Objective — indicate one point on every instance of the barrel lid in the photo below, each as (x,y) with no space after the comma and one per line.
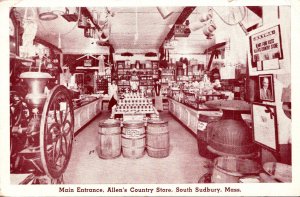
(133,123)
(159,121)
(109,122)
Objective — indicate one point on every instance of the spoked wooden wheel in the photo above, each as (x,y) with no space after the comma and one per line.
(56,132)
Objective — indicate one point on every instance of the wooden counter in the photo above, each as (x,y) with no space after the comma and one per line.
(86,113)
(187,115)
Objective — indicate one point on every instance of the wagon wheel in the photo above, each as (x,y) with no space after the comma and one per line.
(57,132)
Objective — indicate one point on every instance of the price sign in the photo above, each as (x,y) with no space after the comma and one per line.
(132,132)
(202,125)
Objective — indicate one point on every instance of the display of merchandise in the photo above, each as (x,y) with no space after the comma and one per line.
(134,103)
(102,85)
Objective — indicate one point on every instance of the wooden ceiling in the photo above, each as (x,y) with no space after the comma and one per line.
(140,29)
(132,28)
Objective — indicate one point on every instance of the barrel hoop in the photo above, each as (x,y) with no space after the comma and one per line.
(134,138)
(157,125)
(233,149)
(158,122)
(210,141)
(153,148)
(109,134)
(158,133)
(133,124)
(108,124)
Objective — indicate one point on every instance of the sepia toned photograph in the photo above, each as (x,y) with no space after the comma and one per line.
(266,84)
(148,100)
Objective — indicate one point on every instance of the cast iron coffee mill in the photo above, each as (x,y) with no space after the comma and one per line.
(42,129)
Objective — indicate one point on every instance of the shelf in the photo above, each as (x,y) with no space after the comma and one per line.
(146,74)
(88,68)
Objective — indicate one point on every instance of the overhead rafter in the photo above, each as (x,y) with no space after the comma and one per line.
(186,12)
(257,10)
(88,14)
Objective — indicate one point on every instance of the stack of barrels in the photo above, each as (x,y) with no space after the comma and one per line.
(132,138)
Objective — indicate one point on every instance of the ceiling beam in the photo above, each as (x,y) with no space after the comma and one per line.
(186,12)
(257,10)
(88,14)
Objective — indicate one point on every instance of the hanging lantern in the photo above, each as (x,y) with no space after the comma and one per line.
(89,32)
(209,29)
(102,19)
(82,22)
(95,16)
(104,34)
(206,16)
(50,13)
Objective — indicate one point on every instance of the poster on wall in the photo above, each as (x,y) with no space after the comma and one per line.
(266,49)
(265,132)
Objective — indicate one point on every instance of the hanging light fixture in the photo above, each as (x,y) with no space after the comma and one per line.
(164,12)
(206,16)
(48,13)
(200,22)
(209,29)
(102,18)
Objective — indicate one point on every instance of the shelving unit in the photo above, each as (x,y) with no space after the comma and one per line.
(101,83)
(146,73)
(167,75)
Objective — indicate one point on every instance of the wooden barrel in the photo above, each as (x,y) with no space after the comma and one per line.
(229,169)
(204,122)
(133,139)
(231,137)
(109,139)
(157,140)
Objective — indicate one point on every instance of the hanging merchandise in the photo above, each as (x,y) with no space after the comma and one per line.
(89,32)
(209,29)
(137,64)
(82,22)
(30,29)
(103,35)
(48,14)
(101,64)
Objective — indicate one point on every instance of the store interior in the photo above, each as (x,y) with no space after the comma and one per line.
(150,95)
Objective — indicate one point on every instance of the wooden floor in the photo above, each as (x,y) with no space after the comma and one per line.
(183,165)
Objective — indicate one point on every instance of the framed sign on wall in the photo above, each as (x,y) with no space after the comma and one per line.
(265,128)
(266,49)
(266,87)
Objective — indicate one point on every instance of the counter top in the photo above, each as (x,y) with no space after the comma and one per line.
(201,107)
(77,103)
